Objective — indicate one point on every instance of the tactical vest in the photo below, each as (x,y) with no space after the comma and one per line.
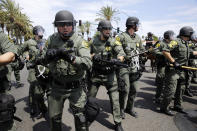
(61,68)
(7,108)
(104,49)
(131,46)
(180,51)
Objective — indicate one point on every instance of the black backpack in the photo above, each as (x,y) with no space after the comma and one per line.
(7,108)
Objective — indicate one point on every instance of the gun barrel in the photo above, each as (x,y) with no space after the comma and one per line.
(115,62)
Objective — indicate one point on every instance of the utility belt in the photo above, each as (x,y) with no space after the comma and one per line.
(70,85)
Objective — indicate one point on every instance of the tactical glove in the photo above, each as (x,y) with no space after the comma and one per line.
(30,65)
(176,65)
(96,57)
(64,54)
(21,64)
(51,53)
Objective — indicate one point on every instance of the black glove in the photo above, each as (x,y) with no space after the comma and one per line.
(64,54)
(96,57)
(21,64)
(51,53)
(176,65)
(30,65)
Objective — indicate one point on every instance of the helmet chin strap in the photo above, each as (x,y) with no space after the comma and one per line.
(66,36)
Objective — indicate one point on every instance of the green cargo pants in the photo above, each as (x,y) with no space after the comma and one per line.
(129,91)
(77,99)
(110,82)
(160,81)
(174,86)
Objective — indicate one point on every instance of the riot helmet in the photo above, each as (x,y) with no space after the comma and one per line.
(132,22)
(64,17)
(104,25)
(186,31)
(38,30)
(150,34)
(170,35)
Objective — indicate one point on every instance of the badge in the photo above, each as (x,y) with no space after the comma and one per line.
(85,44)
(107,48)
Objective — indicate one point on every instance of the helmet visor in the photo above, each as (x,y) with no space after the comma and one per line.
(172,36)
(62,24)
(194,37)
(107,28)
(40,32)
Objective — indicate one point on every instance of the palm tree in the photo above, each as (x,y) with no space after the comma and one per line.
(16,23)
(108,13)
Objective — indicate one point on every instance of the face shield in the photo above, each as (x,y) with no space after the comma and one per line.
(40,32)
(194,37)
(172,36)
(41,44)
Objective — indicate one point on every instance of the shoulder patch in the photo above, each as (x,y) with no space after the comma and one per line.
(117,41)
(117,38)
(158,45)
(173,43)
(137,44)
(190,44)
(85,44)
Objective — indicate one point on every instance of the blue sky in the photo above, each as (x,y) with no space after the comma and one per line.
(155,16)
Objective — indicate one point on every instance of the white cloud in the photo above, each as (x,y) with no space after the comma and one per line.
(42,12)
(160,26)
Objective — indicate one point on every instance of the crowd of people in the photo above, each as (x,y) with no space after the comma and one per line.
(65,66)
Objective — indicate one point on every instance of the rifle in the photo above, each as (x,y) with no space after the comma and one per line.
(141,53)
(112,62)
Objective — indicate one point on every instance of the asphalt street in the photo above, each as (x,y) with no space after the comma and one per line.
(149,118)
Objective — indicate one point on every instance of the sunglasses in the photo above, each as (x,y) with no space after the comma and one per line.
(62,24)
(107,28)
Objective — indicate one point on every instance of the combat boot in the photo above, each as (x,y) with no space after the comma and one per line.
(33,110)
(179,109)
(132,113)
(118,127)
(188,92)
(167,112)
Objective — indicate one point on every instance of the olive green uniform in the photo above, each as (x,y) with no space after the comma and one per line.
(103,76)
(67,82)
(161,63)
(16,71)
(175,79)
(130,75)
(35,91)
(5,46)
(193,63)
